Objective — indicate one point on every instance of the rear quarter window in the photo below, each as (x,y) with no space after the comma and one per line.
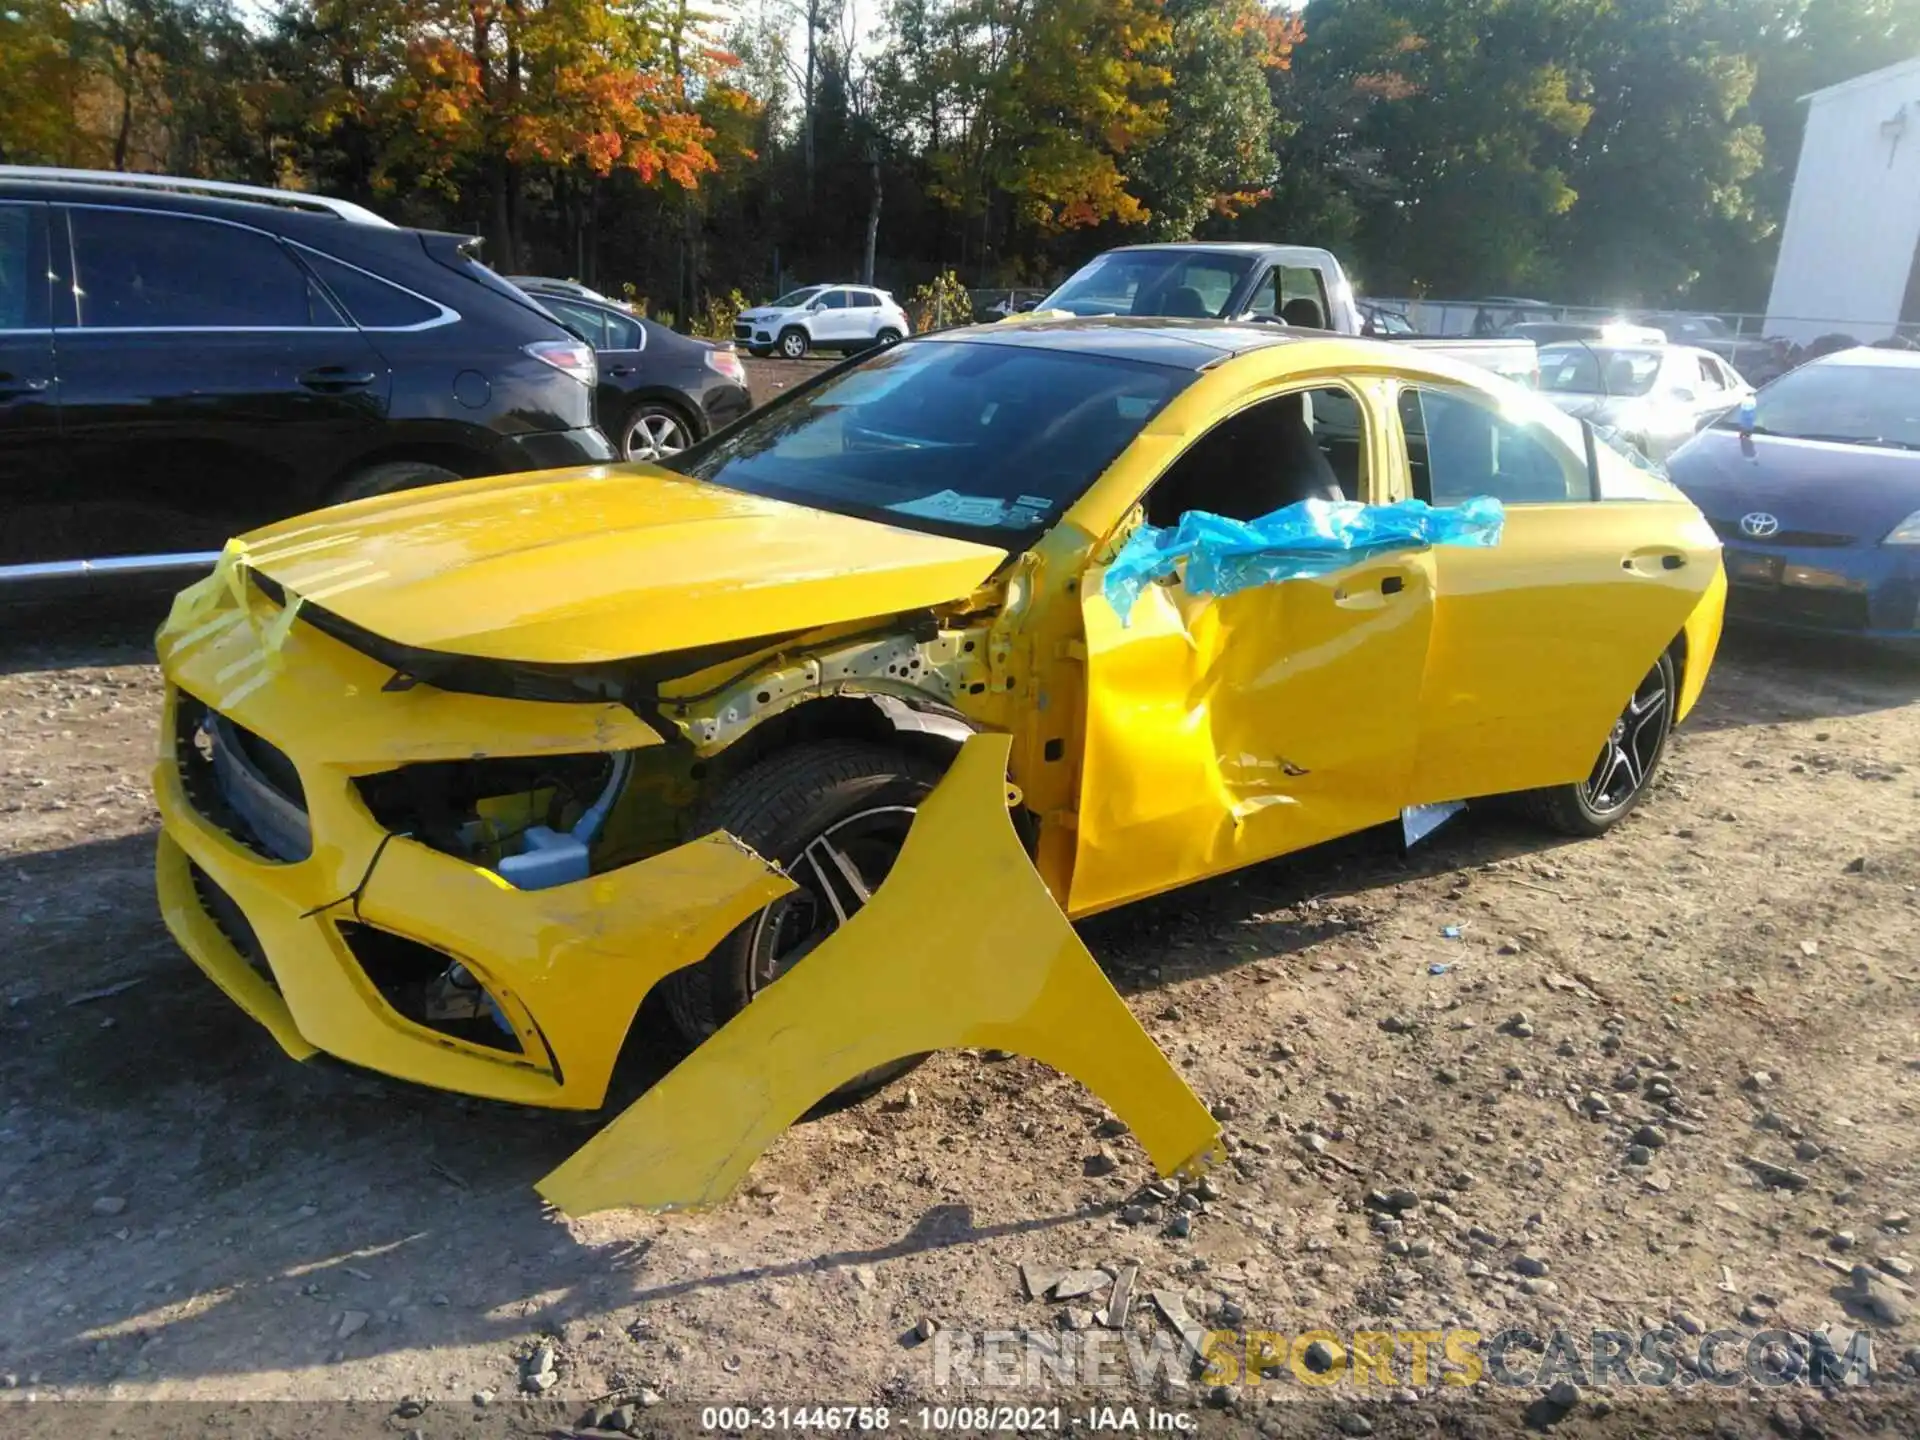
(373,303)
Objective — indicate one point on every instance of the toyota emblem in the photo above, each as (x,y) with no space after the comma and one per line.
(1759,525)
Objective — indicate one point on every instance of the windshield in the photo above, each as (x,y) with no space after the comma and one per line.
(971,439)
(1855,404)
(795,298)
(1591,370)
(1174,283)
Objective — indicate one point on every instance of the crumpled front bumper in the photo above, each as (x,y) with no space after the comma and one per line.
(962,945)
(568,966)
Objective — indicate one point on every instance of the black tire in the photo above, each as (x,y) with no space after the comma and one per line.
(794,343)
(388,477)
(785,807)
(1624,771)
(655,430)
(888,336)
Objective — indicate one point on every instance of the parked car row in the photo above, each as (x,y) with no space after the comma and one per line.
(184,360)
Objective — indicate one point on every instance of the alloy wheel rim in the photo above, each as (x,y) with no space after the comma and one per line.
(1626,760)
(835,875)
(792,347)
(654,436)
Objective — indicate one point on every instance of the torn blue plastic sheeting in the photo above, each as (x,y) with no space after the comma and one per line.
(1312,537)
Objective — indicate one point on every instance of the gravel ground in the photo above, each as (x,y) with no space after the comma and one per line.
(1665,1078)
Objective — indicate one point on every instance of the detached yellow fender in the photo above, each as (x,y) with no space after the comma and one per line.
(961,946)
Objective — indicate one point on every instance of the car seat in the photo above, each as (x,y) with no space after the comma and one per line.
(1186,303)
(1303,314)
(1257,462)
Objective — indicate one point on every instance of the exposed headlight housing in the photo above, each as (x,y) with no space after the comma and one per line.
(1907,532)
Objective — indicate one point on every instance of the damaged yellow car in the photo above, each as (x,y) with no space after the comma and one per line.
(824,732)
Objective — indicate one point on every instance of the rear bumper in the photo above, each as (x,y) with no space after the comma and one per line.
(557,449)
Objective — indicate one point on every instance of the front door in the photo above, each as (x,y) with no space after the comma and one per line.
(32,505)
(207,383)
(1224,730)
(834,321)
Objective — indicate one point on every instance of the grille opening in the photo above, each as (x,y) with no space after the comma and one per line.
(231,921)
(429,987)
(270,767)
(476,809)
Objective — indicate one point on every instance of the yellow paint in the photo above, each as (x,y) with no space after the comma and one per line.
(606,563)
(898,979)
(570,964)
(1209,734)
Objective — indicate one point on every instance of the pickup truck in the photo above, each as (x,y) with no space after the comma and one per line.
(1295,285)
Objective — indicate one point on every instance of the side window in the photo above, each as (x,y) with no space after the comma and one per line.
(1303,297)
(1710,374)
(866,300)
(1459,447)
(145,270)
(1295,294)
(584,318)
(23,268)
(623,333)
(1304,445)
(373,303)
(834,300)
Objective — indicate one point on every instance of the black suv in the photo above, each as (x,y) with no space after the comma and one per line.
(183,360)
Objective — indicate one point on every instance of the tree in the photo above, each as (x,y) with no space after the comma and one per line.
(1663,169)
(41,76)
(1466,111)
(1213,154)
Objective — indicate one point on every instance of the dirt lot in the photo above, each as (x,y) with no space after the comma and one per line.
(185,1214)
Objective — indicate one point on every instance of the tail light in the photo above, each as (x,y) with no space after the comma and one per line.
(724,361)
(572,356)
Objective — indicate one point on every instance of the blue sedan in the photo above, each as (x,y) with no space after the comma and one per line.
(1814,489)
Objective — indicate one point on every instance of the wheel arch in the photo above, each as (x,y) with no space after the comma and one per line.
(917,723)
(669,398)
(463,461)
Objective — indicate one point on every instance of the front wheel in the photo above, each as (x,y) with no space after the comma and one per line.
(794,344)
(1624,771)
(833,815)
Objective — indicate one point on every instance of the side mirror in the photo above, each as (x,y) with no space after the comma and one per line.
(1746,415)
(1684,395)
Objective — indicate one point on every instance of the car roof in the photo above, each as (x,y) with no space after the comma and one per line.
(1230,247)
(1867,357)
(1182,344)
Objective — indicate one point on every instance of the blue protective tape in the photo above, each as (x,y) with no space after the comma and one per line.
(1313,537)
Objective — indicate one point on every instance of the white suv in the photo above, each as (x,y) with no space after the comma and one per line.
(823,317)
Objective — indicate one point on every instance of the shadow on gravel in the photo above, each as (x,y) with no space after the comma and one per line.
(1277,909)
(942,1227)
(108,630)
(1764,678)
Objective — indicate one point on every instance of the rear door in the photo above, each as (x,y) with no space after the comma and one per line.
(208,383)
(1539,641)
(32,471)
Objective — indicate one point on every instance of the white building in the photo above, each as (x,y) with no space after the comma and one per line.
(1854,220)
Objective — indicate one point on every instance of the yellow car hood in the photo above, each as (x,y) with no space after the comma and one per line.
(605,563)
